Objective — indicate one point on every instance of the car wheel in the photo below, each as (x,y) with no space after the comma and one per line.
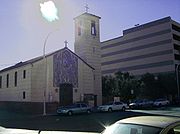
(131,107)
(88,111)
(58,112)
(70,113)
(123,108)
(110,109)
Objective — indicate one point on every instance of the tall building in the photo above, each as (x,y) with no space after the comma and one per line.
(149,48)
(87,46)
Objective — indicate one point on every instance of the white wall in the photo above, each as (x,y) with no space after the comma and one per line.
(15,93)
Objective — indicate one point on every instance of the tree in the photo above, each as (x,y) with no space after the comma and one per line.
(168,83)
(158,86)
(149,86)
(108,85)
(125,84)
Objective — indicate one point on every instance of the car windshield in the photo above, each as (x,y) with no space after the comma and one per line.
(160,100)
(110,103)
(131,129)
(137,101)
(70,106)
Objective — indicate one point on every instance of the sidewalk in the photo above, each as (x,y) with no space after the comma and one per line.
(63,132)
(25,131)
(171,111)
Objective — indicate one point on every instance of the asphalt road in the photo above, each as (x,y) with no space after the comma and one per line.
(94,122)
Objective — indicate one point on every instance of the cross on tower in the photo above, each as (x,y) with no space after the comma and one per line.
(66,43)
(86,7)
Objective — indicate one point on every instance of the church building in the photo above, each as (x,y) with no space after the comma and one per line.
(62,77)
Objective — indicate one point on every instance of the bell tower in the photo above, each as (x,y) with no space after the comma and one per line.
(87,46)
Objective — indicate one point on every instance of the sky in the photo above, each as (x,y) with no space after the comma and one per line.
(23,29)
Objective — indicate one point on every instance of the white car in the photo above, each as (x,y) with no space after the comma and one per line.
(112,106)
(145,125)
(161,102)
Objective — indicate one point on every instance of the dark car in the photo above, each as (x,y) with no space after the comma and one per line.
(161,102)
(144,103)
(74,109)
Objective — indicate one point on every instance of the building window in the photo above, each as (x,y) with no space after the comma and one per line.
(177,47)
(0,81)
(176,37)
(24,74)
(24,95)
(79,28)
(79,31)
(7,80)
(176,28)
(93,28)
(94,49)
(15,79)
(177,57)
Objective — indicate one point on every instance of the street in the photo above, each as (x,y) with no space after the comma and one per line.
(94,122)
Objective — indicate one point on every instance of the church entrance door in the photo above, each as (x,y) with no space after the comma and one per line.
(65,94)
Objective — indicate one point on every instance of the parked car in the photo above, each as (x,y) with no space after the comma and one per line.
(112,106)
(145,125)
(74,109)
(141,104)
(161,102)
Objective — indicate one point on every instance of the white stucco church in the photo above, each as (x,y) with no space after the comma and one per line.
(62,77)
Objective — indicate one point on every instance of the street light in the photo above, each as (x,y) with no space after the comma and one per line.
(177,78)
(45,70)
(49,12)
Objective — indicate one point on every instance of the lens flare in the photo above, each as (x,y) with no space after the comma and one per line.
(49,11)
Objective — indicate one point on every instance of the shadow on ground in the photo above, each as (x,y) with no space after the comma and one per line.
(94,122)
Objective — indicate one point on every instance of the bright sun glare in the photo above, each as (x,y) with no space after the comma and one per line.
(49,11)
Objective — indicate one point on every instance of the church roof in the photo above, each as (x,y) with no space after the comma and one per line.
(88,14)
(31,61)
